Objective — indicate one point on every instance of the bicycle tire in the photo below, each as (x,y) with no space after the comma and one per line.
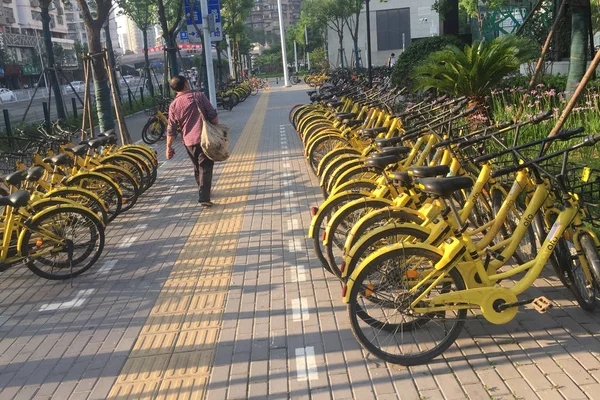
(126,182)
(325,211)
(150,135)
(52,218)
(591,254)
(129,164)
(104,187)
(339,220)
(83,197)
(430,351)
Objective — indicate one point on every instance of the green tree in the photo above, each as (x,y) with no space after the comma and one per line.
(95,14)
(170,15)
(59,54)
(330,13)
(474,70)
(81,50)
(234,14)
(473,9)
(580,13)
(144,16)
(352,22)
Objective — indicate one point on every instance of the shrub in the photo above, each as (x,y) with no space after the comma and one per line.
(474,70)
(418,51)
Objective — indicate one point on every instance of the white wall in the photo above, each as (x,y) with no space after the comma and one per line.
(419,10)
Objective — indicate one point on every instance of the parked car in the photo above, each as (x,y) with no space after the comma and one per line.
(7,95)
(79,86)
(128,78)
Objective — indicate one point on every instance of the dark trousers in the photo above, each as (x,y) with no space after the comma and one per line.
(203,170)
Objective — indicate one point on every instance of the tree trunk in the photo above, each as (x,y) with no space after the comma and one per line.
(341,49)
(147,63)
(171,53)
(60,106)
(103,98)
(111,58)
(579,44)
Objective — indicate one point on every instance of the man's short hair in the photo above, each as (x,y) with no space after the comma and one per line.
(178,83)
(393,55)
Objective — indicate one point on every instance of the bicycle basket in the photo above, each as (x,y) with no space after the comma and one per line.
(585,182)
(8,162)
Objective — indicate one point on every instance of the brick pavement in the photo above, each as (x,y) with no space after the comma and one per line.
(276,327)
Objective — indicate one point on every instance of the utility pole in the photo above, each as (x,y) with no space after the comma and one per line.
(370,68)
(286,78)
(296,55)
(229,56)
(307,48)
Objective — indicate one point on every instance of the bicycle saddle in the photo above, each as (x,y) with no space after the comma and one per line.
(111,136)
(388,142)
(352,122)
(16,200)
(95,143)
(394,151)
(15,178)
(60,159)
(372,132)
(444,187)
(429,172)
(35,174)
(403,178)
(382,161)
(78,150)
(344,115)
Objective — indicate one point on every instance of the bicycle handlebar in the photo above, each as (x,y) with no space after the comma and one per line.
(587,141)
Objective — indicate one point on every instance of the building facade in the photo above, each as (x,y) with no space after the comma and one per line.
(131,36)
(264,18)
(395,24)
(21,39)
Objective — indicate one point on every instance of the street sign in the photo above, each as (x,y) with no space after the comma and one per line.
(183,35)
(195,16)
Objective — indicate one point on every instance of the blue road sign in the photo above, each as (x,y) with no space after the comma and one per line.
(195,16)
(183,35)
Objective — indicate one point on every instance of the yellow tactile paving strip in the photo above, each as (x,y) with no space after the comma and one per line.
(172,357)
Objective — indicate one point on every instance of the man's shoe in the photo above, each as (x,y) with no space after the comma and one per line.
(206,204)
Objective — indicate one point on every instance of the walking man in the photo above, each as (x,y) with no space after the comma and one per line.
(391,61)
(184,113)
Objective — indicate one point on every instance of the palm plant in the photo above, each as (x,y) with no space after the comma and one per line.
(474,70)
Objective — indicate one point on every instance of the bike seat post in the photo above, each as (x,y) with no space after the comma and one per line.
(460,226)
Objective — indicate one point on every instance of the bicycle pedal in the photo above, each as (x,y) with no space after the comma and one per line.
(542,304)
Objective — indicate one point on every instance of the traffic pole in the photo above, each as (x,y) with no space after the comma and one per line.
(208,54)
(229,56)
(296,55)
(307,48)
(286,77)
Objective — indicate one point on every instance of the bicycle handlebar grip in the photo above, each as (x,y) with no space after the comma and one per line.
(541,117)
(566,133)
(503,125)
(468,111)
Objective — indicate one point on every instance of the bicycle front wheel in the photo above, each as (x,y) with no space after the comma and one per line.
(154,129)
(380,314)
(63,243)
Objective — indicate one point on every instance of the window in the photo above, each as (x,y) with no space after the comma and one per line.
(393,29)
(59,20)
(36,16)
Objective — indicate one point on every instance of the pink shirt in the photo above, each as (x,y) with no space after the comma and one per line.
(184,114)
